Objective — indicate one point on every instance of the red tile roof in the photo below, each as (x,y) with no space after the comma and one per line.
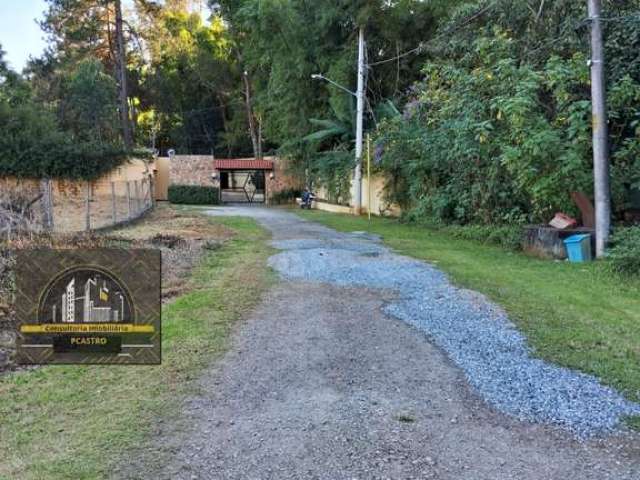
(242,164)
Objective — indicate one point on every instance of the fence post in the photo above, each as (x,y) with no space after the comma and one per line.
(129,199)
(51,215)
(114,215)
(137,194)
(88,207)
(45,188)
(152,193)
(143,193)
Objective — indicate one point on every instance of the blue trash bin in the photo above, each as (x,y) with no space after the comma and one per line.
(578,247)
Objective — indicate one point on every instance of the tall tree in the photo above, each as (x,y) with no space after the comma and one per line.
(90,107)
(282,43)
(81,29)
(192,86)
(121,74)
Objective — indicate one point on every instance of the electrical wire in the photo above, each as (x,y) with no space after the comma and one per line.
(446,33)
(633,16)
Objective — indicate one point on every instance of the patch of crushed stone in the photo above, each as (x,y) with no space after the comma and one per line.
(477,335)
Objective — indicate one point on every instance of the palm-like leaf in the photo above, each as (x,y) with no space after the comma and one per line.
(330,130)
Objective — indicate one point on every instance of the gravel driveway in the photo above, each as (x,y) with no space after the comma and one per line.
(364,364)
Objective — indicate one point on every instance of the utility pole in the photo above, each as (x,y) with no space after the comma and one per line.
(357,191)
(602,188)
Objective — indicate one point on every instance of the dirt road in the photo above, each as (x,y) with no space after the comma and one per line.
(320,383)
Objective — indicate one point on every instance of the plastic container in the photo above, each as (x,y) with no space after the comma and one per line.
(578,247)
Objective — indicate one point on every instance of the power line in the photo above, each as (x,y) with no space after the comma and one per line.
(448,32)
(632,16)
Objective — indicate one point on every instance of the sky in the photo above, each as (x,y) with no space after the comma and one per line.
(20,35)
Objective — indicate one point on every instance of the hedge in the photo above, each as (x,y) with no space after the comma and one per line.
(193,195)
(32,146)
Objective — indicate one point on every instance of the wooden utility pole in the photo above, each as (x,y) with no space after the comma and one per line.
(602,188)
(357,191)
(121,69)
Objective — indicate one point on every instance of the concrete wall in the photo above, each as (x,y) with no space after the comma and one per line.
(111,200)
(161,172)
(333,208)
(131,171)
(372,199)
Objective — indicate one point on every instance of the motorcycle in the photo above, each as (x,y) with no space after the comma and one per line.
(307,200)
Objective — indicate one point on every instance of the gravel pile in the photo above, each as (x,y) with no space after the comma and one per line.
(476,334)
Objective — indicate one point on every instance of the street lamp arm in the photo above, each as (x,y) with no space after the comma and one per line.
(319,76)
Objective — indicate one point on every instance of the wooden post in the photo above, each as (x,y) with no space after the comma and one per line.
(88,207)
(129,200)
(114,215)
(152,192)
(45,189)
(51,215)
(137,195)
(146,189)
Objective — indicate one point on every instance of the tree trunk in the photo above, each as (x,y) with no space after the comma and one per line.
(259,118)
(255,140)
(121,72)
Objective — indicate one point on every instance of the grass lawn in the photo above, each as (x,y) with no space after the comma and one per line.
(75,422)
(574,315)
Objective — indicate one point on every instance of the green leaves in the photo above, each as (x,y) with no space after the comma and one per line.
(499,129)
(90,109)
(330,130)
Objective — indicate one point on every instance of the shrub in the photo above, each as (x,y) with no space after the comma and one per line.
(285,196)
(193,194)
(624,255)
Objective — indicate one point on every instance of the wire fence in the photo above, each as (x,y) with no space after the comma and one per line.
(28,207)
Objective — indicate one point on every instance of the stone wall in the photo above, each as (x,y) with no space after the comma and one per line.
(190,170)
(197,170)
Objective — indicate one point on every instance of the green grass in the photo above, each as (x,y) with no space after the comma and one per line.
(75,422)
(575,315)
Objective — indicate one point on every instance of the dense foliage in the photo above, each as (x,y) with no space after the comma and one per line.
(624,256)
(282,43)
(498,130)
(479,109)
(193,195)
(34,144)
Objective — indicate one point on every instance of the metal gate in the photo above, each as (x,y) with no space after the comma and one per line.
(242,186)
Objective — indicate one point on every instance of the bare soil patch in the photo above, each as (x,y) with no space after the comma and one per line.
(181,236)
